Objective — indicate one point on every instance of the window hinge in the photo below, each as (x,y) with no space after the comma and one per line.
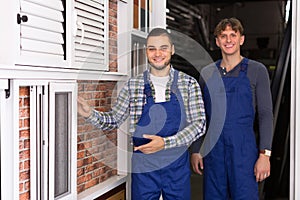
(7,91)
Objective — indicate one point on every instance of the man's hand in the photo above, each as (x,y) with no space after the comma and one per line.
(83,108)
(156,144)
(197,163)
(262,168)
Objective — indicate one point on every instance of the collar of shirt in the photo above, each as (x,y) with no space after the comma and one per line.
(168,86)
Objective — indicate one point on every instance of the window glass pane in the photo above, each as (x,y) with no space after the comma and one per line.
(62,146)
(143,14)
(148,13)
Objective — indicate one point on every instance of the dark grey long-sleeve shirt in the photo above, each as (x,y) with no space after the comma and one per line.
(262,102)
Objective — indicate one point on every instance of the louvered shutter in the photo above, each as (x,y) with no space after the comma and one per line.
(91,42)
(44,33)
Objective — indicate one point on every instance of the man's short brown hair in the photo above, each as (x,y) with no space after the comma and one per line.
(234,23)
(160,32)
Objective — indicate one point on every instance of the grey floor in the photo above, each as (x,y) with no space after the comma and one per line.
(196,186)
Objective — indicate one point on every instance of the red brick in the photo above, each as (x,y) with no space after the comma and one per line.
(24,154)
(24,134)
(24,112)
(24,91)
(27,186)
(26,143)
(80,188)
(80,154)
(26,123)
(80,172)
(21,166)
(27,164)
(24,175)
(24,196)
(80,163)
(26,102)
(21,187)
(91,183)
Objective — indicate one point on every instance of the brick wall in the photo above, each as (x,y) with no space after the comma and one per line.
(96,149)
(24,144)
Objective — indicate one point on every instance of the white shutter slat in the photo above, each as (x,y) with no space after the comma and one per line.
(90,35)
(41,35)
(99,1)
(41,11)
(90,42)
(42,47)
(50,56)
(93,30)
(92,23)
(90,65)
(91,16)
(44,24)
(53,4)
(92,52)
(91,59)
(88,48)
(97,5)
(89,9)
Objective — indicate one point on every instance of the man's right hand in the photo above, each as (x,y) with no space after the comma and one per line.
(197,163)
(83,108)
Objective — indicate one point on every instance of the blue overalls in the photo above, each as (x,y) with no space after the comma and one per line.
(166,172)
(229,166)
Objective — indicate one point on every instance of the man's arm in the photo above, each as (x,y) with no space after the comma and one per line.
(106,120)
(196,158)
(195,117)
(265,121)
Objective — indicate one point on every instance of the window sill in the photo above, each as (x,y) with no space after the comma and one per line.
(29,72)
(102,188)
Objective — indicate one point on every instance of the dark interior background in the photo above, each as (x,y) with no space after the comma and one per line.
(267,33)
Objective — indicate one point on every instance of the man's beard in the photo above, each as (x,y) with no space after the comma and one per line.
(160,67)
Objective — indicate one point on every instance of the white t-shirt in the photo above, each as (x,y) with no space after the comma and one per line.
(159,84)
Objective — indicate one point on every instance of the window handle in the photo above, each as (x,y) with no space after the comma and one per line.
(77,24)
(21,19)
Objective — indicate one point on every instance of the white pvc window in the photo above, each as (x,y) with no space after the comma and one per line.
(39,141)
(91,34)
(141,14)
(62,141)
(53,141)
(43,32)
(138,56)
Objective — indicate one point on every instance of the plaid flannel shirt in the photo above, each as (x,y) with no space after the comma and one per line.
(131,100)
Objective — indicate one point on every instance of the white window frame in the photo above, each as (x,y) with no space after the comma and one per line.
(37,136)
(45,189)
(71,88)
(9,139)
(295,99)
(159,14)
(43,60)
(86,33)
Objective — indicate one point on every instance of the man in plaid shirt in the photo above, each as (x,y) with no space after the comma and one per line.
(166,115)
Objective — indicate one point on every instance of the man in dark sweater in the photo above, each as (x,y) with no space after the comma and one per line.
(235,89)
